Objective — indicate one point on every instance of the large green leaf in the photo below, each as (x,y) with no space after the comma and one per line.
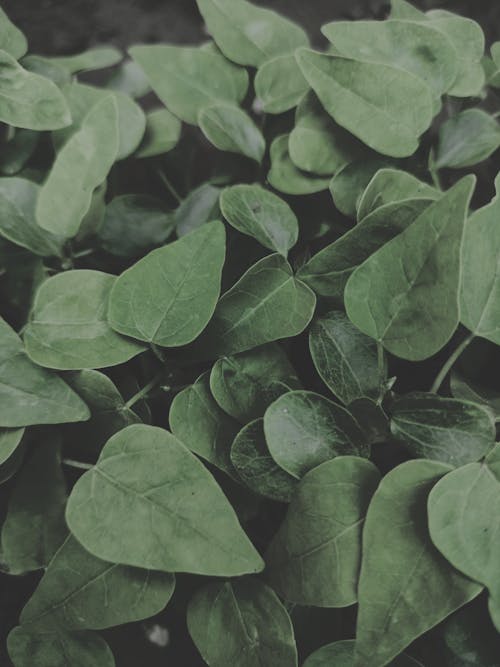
(187,78)
(231,129)
(30,394)
(406,586)
(385,107)
(406,294)
(68,329)
(266,304)
(348,184)
(99,57)
(250,35)
(304,429)
(341,654)
(286,177)
(12,39)
(315,557)
(249,616)
(466,139)
(145,477)
(279,84)
(80,166)
(169,295)
(257,212)
(162,133)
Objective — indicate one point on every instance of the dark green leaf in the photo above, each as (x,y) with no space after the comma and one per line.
(199,207)
(348,185)
(341,654)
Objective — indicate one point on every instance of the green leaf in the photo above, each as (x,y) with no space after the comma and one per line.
(40,494)
(10,441)
(129,78)
(99,57)
(443,429)
(279,84)
(470,390)
(245,384)
(134,224)
(47,68)
(314,558)
(383,106)
(406,586)
(346,359)
(80,166)
(145,477)
(251,458)
(250,35)
(255,211)
(29,100)
(80,592)
(255,625)
(348,185)
(341,654)
(466,139)
(266,304)
(18,224)
(30,394)
(480,286)
(304,429)
(169,295)
(406,294)
(401,9)
(200,206)
(58,649)
(18,151)
(286,177)
(230,129)
(187,79)
(68,329)
(12,39)
(205,429)
(162,134)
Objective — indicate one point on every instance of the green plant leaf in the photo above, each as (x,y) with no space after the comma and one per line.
(346,359)
(18,151)
(286,177)
(10,441)
(406,294)
(254,623)
(266,304)
(230,129)
(383,106)
(314,558)
(341,654)
(348,184)
(279,84)
(255,211)
(401,9)
(169,295)
(469,390)
(146,477)
(251,458)
(187,79)
(30,394)
(68,329)
(99,57)
(304,429)
(28,100)
(80,166)
(442,429)
(466,139)
(250,35)
(199,207)
(47,68)
(162,133)
(130,79)
(12,39)
(198,421)
(406,586)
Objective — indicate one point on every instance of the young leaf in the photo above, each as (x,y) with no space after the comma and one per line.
(12,39)
(30,394)
(169,295)
(406,586)
(401,9)
(443,429)
(346,359)
(230,129)
(279,84)
(47,68)
(470,390)
(129,78)
(266,304)
(99,57)
(187,79)
(286,177)
(348,185)
(250,35)
(251,458)
(341,653)
(80,592)
(466,139)
(257,212)
(383,106)
(406,294)
(255,625)
(304,429)
(314,558)
(80,166)
(145,477)
(199,207)
(198,422)
(10,440)
(18,150)
(162,133)
(29,100)
(245,384)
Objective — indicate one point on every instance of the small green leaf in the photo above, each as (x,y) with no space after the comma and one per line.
(200,206)
(286,177)
(279,84)
(304,429)
(348,185)
(162,134)
(466,139)
(47,68)
(230,129)
(341,654)
(145,477)
(314,558)
(254,623)
(470,390)
(169,295)
(12,39)
(10,441)
(257,212)
(99,57)
(401,9)
(18,150)
(130,79)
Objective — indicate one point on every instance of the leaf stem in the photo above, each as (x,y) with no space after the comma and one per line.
(170,187)
(83,253)
(447,366)
(144,391)
(77,464)
(381,370)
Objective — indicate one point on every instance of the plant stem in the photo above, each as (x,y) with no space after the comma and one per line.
(170,187)
(77,464)
(83,253)
(381,370)
(144,391)
(447,366)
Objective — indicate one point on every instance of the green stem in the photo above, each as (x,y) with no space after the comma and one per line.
(77,464)
(448,365)
(144,391)
(170,187)
(83,253)
(381,370)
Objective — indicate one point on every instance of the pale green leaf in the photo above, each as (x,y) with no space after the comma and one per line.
(341,654)
(466,139)
(348,185)
(286,177)
(279,84)
(162,134)
(18,150)
(200,206)
(97,58)
(230,129)
(130,79)
(12,39)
